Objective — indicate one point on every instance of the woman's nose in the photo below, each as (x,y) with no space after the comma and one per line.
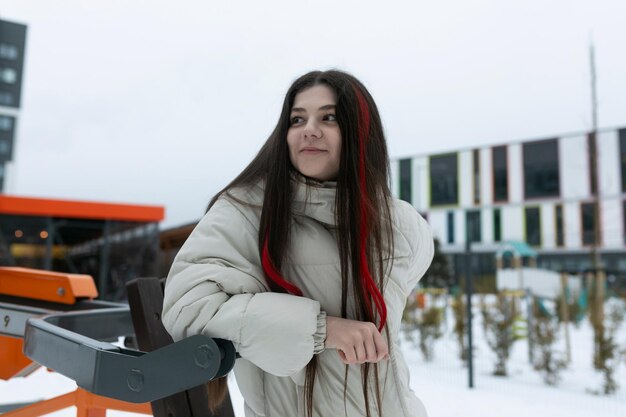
(312,130)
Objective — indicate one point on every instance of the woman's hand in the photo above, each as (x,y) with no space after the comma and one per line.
(356,341)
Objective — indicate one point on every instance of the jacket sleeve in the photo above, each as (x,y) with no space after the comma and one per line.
(216,287)
(420,238)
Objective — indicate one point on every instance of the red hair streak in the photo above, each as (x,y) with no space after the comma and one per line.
(370,290)
(273,274)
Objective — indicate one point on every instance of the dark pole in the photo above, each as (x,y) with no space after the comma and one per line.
(592,148)
(5,250)
(468,291)
(104,259)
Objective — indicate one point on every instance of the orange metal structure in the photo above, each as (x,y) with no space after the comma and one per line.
(79,209)
(34,284)
(12,361)
(63,289)
(56,287)
(86,403)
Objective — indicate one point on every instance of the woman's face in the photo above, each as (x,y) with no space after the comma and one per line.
(314,138)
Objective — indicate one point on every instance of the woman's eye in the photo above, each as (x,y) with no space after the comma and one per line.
(296,119)
(330,118)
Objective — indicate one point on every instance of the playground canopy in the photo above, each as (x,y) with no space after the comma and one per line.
(516,249)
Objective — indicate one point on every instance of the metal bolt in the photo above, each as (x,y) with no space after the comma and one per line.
(203,356)
(135,380)
(61,291)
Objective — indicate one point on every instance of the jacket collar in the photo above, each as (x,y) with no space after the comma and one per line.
(314,199)
(311,198)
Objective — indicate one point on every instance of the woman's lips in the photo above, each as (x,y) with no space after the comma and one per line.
(312,151)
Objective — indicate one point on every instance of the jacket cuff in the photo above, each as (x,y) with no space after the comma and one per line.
(319,337)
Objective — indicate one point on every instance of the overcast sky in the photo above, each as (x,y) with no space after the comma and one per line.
(163,102)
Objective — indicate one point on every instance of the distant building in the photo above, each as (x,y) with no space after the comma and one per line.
(538,191)
(12,49)
(113,243)
(170,242)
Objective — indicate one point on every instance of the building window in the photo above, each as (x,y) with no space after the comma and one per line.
(5,147)
(622,153)
(541,169)
(472,225)
(624,220)
(500,173)
(8,75)
(6,99)
(443,180)
(476,175)
(8,51)
(497,225)
(6,123)
(558,223)
(450,227)
(533,226)
(405,180)
(588,213)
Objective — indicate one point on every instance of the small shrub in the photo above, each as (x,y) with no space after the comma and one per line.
(607,354)
(498,326)
(544,333)
(426,323)
(574,311)
(429,327)
(460,324)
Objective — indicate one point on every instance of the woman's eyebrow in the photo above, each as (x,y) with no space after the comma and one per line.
(325,107)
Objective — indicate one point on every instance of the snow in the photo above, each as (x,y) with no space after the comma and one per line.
(443,383)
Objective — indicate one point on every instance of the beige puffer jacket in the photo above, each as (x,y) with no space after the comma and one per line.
(216,287)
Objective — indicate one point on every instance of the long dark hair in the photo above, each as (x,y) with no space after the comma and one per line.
(362,208)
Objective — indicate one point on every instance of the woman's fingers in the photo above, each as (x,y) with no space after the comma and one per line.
(356,341)
(382,350)
(370,350)
(375,344)
(348,356)
(361,353)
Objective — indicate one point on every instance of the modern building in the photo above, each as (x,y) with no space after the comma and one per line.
(547,192)
(12,51)
(170,242)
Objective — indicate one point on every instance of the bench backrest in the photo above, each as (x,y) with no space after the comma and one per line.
(145,298)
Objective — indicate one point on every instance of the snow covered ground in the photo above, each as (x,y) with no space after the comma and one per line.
(442,383)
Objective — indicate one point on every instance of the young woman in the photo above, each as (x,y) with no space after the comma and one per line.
(305,261)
